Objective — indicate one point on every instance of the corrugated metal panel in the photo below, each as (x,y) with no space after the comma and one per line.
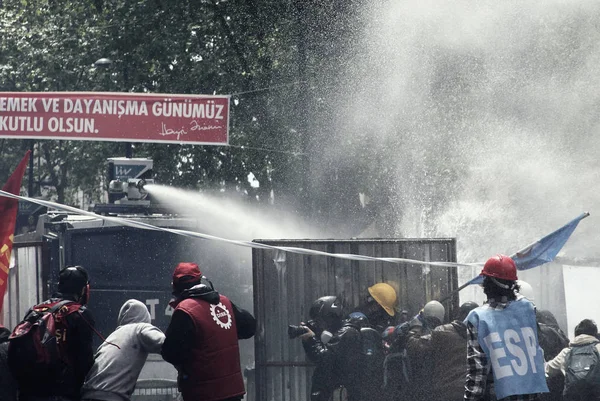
(24,283)
(286,284)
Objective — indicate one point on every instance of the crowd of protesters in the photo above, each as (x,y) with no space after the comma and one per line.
(505,349)
(49,356)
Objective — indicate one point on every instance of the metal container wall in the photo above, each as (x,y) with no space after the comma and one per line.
(25,287)
(286,284)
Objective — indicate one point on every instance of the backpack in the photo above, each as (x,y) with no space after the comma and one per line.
(582,373)
(372,361)
(35,350)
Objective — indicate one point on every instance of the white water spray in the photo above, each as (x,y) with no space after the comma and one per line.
(232,218)
(493,111)
(488,115)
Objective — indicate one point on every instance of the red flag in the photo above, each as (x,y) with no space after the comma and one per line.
(8,219)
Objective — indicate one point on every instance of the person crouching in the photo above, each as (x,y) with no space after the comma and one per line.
(120,359)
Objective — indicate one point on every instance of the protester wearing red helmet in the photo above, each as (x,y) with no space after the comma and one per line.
(202,338)
(503,343)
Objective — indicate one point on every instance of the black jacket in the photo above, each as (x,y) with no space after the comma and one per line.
(8,386)
(338,363)
(418,348)
(449,359)
(552,340)
(180,335)
(79,337)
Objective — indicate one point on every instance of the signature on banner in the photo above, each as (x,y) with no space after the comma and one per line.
(197,127)
(194,126)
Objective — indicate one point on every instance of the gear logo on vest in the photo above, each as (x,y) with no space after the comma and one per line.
(221,315)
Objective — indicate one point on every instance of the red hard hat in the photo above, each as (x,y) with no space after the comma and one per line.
(500,266)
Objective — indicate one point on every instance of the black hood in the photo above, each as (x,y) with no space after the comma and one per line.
(4,333)
(203,291)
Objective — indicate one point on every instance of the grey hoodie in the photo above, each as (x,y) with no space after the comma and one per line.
(559,363)
(115,370)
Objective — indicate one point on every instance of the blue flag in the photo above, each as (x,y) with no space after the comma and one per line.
(543,250)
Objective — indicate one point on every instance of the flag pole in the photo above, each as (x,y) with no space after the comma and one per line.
(456,291)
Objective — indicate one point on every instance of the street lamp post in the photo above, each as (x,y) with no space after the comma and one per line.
(105,63)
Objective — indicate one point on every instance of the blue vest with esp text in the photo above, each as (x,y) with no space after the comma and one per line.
(509,339)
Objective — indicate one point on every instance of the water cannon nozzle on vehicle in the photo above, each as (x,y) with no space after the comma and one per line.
(127,180)
(133,189)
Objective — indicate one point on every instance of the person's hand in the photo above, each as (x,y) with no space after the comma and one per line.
(309,333)
(418,321)
(403,329)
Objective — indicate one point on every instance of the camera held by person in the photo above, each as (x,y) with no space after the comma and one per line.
(325,318)
(296,331)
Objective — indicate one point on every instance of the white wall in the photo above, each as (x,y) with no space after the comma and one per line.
(549,290)
(581,291)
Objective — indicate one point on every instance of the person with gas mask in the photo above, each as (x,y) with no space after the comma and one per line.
(430,317)
(73,331)
(380,306)
(502,340)
(336,355)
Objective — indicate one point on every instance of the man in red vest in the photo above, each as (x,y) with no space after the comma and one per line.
(202,338)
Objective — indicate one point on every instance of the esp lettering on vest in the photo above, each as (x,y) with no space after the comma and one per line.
(508,337)
(513,352)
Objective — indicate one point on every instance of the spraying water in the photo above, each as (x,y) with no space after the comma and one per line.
(494,107)
(486,114)
(232,218)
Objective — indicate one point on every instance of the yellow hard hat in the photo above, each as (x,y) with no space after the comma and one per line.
(385,295)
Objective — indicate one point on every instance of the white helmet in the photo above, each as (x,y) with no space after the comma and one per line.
(526,290)
(434,309)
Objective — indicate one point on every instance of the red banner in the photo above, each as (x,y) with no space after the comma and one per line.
(8,218)
(121,117)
